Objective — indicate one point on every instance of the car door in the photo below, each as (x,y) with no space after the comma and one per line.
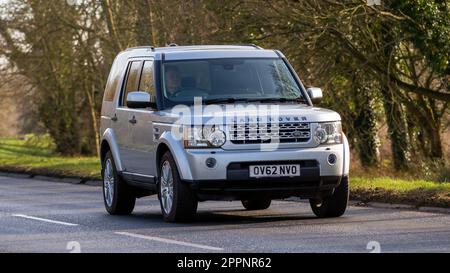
(142,145)
(123,115)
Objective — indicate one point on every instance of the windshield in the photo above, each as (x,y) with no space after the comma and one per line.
(228,80)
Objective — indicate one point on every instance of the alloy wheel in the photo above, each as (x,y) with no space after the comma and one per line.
(166,187)
(108,183)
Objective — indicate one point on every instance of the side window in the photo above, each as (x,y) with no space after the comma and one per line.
(147,82)
(132,83)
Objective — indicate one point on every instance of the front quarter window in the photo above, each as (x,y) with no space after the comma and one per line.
(147,83)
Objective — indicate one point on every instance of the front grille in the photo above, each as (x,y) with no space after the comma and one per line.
(254,133)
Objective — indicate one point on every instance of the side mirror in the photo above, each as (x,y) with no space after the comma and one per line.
(137,100)
(315,94)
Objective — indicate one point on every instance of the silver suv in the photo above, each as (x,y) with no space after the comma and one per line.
(197,123)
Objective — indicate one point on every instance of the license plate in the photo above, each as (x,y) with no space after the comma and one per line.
(274,171)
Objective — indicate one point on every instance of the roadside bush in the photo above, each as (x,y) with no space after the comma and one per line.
(442,173)
(433,170)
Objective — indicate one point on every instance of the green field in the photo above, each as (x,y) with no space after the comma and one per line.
(34,157)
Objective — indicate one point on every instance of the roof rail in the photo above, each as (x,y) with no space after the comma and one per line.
(251,45)
(152,48)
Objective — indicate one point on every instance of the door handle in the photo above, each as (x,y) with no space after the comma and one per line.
(133,120)
(115,119)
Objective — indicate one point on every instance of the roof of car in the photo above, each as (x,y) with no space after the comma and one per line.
(174,47)
(175,52)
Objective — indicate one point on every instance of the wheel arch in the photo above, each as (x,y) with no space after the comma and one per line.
(109,144)
(104,149)
(168,143)
(160,151)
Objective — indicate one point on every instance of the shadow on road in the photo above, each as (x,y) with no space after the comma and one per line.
(230,219)
(235,219)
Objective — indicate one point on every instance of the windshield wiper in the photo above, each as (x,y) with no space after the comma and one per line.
(246,100)
(226,100)
(280,100)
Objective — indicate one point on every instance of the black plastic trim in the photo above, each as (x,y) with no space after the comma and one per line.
(142,182)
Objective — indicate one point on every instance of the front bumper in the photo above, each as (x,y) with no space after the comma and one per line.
(199,171)
(230,180)
(304,187)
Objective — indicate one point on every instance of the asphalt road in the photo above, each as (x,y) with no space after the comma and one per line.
(42,216)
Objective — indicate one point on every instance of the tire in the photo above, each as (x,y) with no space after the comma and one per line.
(334,205)
(178,203)
(121,200)
(258,204)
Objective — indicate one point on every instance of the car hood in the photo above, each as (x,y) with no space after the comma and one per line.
(233,112)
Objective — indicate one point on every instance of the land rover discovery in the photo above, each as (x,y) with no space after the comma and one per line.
(198,123)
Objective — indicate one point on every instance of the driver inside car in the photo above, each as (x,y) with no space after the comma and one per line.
(173,80)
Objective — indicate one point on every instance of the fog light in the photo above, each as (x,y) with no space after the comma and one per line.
(211,163)
(332,159)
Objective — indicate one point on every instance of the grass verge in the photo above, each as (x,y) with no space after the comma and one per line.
(395,190)
(20,155)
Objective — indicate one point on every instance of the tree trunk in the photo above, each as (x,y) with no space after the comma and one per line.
(143,23)
(94,120)
(431,125)
(109,17)
(434,136)
(395,116)
(366,127)
(397,128)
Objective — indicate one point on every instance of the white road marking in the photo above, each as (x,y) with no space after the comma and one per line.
(169,241)
(43,220)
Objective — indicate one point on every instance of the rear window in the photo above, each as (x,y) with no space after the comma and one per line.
(113,82)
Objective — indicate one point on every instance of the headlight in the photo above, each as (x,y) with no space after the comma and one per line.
(203,137)
(328,133)
(217,138)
